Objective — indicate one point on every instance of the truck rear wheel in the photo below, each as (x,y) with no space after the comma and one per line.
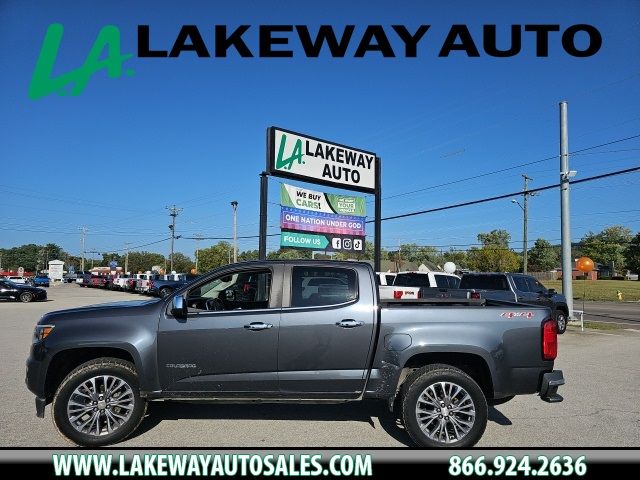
(99,403)
(561,320)
(443,407)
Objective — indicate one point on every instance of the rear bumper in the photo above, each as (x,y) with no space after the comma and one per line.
(551,381)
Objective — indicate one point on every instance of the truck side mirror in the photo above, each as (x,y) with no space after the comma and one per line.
(551,291)
(178,307)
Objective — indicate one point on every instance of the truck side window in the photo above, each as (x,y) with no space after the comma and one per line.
(536,286)
(242,290)
(521,283)
(317,286)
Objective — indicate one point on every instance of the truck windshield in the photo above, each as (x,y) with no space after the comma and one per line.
(484,282)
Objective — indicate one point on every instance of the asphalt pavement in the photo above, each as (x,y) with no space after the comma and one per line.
(601,407)
(626,314)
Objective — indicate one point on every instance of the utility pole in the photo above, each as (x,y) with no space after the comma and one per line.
(173,213)
(525,242)
(234,204)
(565,176)
(525,210)
(198,237)
(126,257)
(83,233)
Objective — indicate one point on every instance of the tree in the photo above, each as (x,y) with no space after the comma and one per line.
(632,255)
(143,261)
(419,254)
(459,257)
(248,255)
(607,246)
(214,256)
(31,257)
(543,256)
(495,254)
(182,263)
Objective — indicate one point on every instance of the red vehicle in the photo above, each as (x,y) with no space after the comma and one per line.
(98,281)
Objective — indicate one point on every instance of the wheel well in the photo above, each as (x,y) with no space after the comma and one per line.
(64,362)
(473,365)
(563,308)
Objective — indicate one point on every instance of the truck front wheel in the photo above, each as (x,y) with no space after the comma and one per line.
(99,403)
(443,407)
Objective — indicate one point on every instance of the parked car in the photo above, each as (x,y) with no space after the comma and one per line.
(40,281)
(167,284)
(386,278)
(246,332)
(21,292)
(407,285)
(17,279)
(520,288)
(142,283)
(84,279)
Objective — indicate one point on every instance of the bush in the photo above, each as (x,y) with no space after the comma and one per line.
(604,278)
(618,277)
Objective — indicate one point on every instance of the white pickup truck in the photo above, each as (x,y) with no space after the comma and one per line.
(407,285)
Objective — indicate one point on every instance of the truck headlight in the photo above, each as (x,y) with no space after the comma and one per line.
(42,331)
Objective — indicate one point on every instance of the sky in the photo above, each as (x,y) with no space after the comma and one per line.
(190,131)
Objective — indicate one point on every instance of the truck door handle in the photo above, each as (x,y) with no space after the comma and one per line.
(349,323)
(258,326)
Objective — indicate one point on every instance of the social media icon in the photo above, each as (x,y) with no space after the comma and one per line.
(357,244)
(346,244)
(336,243)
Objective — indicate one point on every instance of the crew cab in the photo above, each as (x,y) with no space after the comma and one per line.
(520,288)
(248,332)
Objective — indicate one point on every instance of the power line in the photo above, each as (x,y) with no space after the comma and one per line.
(474,177)
(508,195)
(464,204)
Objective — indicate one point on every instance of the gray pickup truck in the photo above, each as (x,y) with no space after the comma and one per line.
(264,332)
(520,288)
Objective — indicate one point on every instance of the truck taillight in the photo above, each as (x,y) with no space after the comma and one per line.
(397,294)
(475,295)
(549,339)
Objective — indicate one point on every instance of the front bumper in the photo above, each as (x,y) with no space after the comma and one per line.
(549,386)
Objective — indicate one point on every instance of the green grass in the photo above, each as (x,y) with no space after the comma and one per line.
(601,290)
(602,326)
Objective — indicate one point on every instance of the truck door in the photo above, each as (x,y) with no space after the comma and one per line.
(521,289)
(326,331)
(540,293)
(227,345)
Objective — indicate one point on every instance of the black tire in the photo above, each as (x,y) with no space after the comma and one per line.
(25,297)
(113,367)
(165,292)
(561,321)
(432,375)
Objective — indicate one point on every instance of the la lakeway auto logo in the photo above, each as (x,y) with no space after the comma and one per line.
(290,41)
(74,82)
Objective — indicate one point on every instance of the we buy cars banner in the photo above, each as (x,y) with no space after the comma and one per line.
(321,221)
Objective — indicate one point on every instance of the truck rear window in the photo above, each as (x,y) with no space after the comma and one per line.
(412,280)
(316,286)
(484,282)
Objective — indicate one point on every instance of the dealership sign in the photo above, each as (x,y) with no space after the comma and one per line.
(327,242)
(311,159)
(307,221)
(304,199)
